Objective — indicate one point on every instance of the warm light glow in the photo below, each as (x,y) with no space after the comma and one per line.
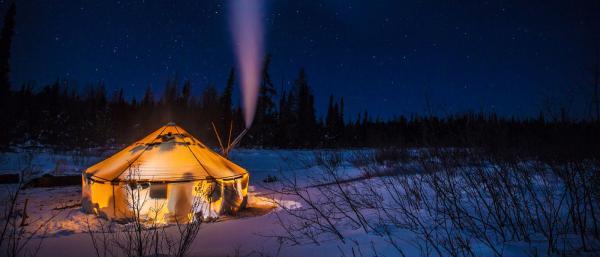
(190,171)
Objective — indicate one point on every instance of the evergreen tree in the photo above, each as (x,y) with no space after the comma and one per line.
(225,102)
(209,99)
(330,122)
(265,105)
(101,130)
(341,124)
(330,113)
(305,123)
(341,113)
(182,110)
(8,30)
(334,123)
(169,100)
(265,117)
(209,109)
(148,99)
(186,93)
(120,116)
(147,114)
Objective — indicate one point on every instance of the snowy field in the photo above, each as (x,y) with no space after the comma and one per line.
(67,225)
(45,161)
(260,163)
(342,231)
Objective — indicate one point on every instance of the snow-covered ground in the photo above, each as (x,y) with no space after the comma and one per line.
(65,233)
(249,235)
(46,161)
(261,163)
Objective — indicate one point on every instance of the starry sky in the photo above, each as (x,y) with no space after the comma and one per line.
(388,57)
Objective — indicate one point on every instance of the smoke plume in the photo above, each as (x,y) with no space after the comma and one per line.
(246,27)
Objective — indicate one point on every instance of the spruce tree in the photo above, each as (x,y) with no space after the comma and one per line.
(284,121)
(148,99)
(209,113)
(186,93)
(341,124)
(225,102)
(8,30)
(182,111)
(305,125)
(265,116)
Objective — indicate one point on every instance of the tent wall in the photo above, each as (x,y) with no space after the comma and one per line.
(105,199)
(182,201)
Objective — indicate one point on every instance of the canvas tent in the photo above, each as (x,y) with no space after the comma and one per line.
(164,176)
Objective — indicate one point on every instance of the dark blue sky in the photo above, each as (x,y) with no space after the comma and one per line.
(384,56)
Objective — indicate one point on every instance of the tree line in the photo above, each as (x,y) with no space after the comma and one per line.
(61,115)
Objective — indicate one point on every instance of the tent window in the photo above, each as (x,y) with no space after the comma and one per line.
(158,191)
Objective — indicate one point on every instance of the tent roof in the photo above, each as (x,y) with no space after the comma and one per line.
(168,154)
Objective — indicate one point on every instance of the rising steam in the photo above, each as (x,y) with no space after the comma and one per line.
(245,21)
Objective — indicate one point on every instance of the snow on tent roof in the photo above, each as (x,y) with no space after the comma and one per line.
(168,154)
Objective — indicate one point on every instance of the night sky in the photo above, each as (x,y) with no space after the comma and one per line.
(389,57)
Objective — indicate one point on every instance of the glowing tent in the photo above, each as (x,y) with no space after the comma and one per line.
(168,171)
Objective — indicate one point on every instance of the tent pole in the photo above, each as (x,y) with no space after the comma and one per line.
(218,137)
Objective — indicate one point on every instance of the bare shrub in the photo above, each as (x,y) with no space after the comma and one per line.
(454,199)
(17,230)
(146,234)
(391,156)
(333,204)
(380,162)
(365,161)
